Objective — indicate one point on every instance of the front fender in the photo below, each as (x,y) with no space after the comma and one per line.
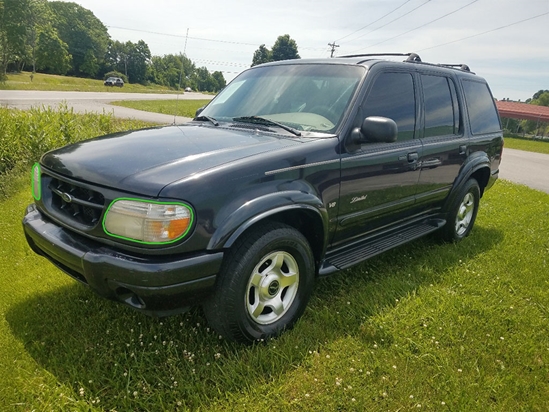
(263,207)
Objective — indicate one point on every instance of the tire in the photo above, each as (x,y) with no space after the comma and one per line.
(264,284)
(462,212)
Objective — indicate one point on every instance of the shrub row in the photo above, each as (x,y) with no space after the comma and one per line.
(26,135)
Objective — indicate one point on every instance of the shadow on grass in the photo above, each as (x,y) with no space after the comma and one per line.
(132,362)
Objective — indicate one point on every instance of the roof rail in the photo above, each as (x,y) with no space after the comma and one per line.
(412,57)
(460,66)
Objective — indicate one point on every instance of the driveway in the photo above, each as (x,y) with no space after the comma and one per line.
(83,102)
(528,168)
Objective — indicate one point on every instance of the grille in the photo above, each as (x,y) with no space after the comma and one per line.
(77,203)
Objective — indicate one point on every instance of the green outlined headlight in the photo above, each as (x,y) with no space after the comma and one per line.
(148,222)
(35,182)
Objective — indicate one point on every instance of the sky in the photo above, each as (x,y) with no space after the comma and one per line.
(504,41)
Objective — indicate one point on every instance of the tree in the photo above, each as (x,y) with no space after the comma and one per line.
(539,93)
(219,80)
(262,55)
(39,19)
(285,48)
(116,58)
(85,35)
(206,82)
(203,80)
(90,65)
(139,57)
(13,32)
(541,99)
(172,71)
(132,59)
(52,53)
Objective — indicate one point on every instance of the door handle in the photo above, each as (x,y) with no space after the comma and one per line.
(412,157)
(462,149)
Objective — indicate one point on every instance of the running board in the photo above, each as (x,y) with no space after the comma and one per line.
(351,255)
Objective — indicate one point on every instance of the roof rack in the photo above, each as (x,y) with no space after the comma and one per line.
(412,57)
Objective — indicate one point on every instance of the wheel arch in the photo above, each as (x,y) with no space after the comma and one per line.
(302,211)
(477,167)
(482,175)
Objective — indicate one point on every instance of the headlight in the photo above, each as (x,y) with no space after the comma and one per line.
(35,182)
(148,221)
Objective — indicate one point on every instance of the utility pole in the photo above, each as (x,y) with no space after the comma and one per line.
(333,46)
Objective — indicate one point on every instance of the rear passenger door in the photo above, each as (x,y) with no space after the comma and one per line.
(443,138)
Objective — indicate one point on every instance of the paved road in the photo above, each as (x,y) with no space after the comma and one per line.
(527,168)
(531,169)
(83,102)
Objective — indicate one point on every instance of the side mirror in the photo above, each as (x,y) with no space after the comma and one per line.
(379,129)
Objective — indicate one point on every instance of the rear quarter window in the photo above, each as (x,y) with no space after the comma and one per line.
(481,108)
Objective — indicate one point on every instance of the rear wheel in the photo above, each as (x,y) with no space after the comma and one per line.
(462,212)
(264,284)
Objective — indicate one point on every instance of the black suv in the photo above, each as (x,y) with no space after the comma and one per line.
(297,169)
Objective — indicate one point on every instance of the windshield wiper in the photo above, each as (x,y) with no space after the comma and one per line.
(208,118)
(266,122)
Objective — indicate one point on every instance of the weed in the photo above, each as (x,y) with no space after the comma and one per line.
(26,135)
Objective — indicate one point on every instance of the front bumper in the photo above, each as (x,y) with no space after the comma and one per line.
(156,285)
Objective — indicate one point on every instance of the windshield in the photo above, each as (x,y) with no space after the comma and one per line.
(309,97)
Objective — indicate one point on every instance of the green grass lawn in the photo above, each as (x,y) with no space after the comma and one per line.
(530,145)
(185,108)
(22,81)
(457,327)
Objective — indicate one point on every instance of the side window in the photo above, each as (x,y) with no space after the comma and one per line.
(481,108)
(392,95)
(441,110)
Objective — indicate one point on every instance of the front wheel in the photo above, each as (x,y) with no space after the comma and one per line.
(264,284)
(462,212)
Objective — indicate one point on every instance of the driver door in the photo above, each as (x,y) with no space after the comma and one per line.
(379,181)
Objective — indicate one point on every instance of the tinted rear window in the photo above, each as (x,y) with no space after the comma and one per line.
(481,108)
(441,111)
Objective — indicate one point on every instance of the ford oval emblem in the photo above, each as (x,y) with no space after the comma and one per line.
(66,197)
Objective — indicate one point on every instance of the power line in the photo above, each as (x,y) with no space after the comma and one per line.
(392,21)
(419,27)
(218,63)
(197,38)
(485,32)
(375,21)
(181,36)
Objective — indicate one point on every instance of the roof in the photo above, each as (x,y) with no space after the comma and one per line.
(523,111)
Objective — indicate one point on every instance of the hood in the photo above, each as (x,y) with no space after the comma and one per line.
(145,161)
